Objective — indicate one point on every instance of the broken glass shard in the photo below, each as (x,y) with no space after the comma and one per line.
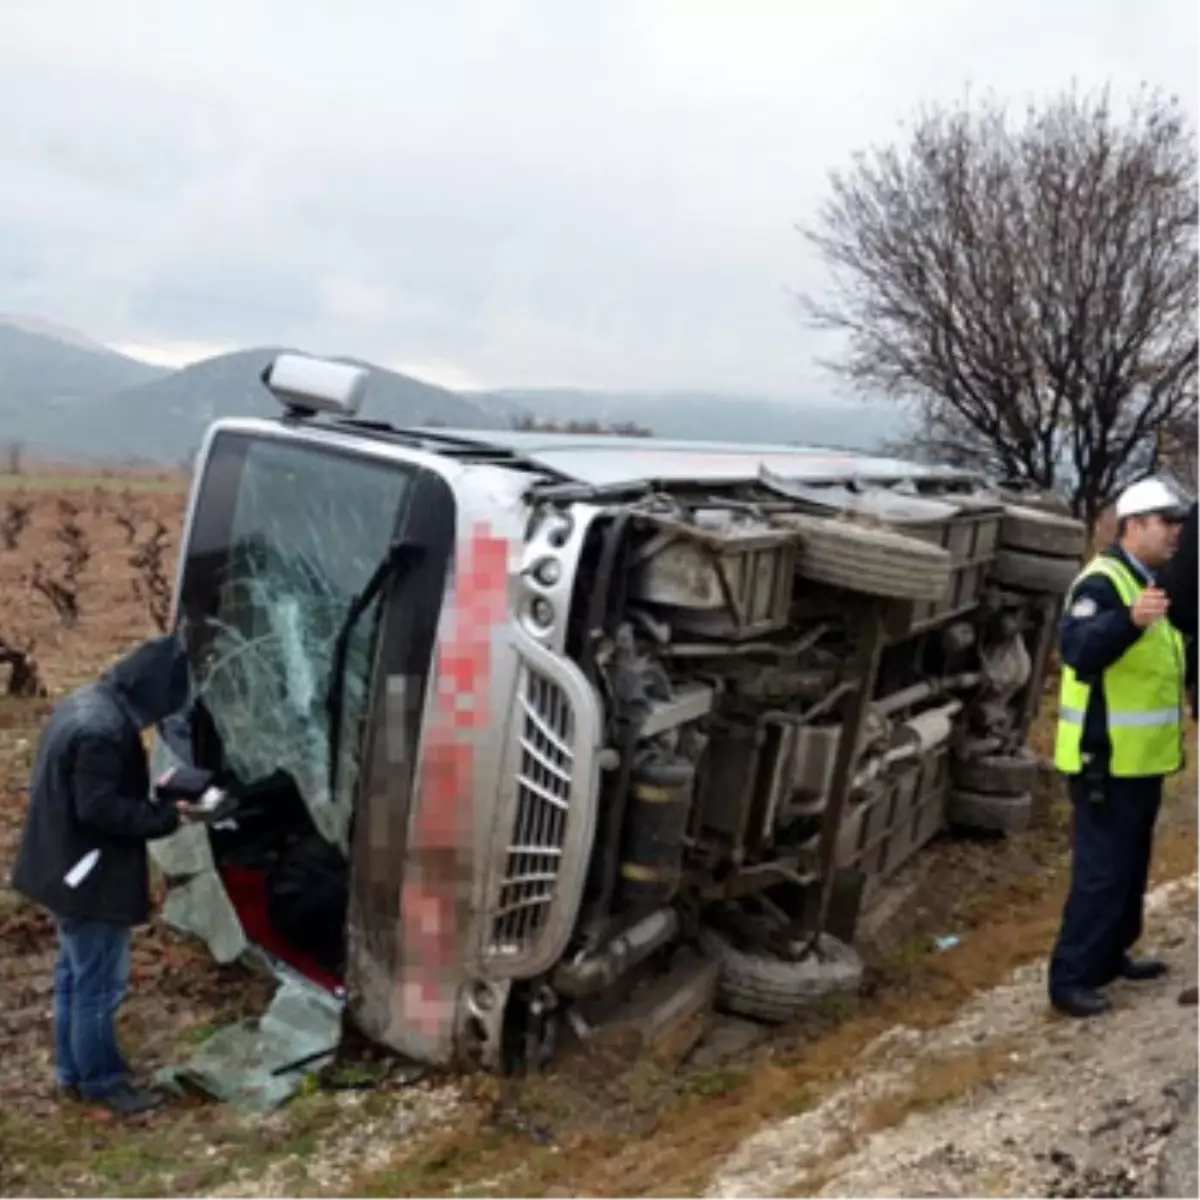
(256,1065)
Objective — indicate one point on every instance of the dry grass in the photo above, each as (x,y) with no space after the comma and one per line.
(937,1082)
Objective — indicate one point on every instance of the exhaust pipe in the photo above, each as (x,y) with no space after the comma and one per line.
(591,973)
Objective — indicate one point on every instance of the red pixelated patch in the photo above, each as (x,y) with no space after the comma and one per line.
(437,885)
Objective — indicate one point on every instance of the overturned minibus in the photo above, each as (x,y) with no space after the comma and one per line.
(530,732)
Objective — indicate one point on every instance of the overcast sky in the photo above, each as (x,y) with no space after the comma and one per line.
(508,193)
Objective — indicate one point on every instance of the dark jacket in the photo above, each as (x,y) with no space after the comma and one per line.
(1097,630)
(1180,579)
(89,793)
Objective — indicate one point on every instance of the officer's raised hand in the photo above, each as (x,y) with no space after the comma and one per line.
(1149,607)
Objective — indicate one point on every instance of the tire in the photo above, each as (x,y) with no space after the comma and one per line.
(863,558)
(1046,502)
(1041,532)
(1034,573)
(997,774)
(995,814)
(977,747)
(773,990)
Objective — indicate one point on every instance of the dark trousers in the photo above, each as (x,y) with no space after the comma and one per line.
(1111,842)
(90,979)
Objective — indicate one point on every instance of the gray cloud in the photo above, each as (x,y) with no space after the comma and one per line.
(600,193)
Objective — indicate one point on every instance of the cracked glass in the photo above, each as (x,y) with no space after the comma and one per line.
(302,534)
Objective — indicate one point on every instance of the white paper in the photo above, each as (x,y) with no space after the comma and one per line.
(211,799)
(82,869)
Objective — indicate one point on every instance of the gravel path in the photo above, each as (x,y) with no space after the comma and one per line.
(1008,1100)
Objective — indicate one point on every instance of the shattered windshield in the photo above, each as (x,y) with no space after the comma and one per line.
(284,537)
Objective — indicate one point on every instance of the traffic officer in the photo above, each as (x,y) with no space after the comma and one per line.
(1120,732)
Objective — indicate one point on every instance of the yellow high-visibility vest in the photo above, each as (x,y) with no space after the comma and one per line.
(1143,692)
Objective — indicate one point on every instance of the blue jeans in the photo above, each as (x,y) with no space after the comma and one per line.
(90,979)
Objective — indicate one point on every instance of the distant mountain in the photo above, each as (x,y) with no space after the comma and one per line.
(64,395)
(711,416)
(46,380)
(54,331)
(171,414)
(59,398)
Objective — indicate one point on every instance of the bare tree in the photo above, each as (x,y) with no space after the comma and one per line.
(1028,288)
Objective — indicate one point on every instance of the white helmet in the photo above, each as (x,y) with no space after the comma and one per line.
(1150,496)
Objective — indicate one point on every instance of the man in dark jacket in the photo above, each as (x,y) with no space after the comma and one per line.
(83,856)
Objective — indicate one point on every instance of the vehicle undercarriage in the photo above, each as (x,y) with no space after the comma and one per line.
(735,638)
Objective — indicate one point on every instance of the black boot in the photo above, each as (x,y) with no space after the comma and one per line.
(1142,969)
(1080,1001)
(130,1101)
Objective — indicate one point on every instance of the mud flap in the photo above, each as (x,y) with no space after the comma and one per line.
(256,1065)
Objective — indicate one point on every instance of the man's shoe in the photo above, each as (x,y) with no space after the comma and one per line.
(69,1092)
(1188,995)
(1142,969)
(1080,1002)
(130,1101)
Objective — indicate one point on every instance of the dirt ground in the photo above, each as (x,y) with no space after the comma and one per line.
(947,1077)
(1044,1106)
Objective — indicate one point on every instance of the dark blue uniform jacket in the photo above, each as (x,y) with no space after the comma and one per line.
(1097,630)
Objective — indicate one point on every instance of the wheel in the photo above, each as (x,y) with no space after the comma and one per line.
(997,774)
(1042,533)
(1034,572)
(863,558)
(774,990)
(996,814)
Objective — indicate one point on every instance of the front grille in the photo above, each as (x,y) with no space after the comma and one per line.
(543,786)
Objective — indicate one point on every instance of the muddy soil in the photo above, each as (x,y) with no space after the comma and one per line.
(1049,1106)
